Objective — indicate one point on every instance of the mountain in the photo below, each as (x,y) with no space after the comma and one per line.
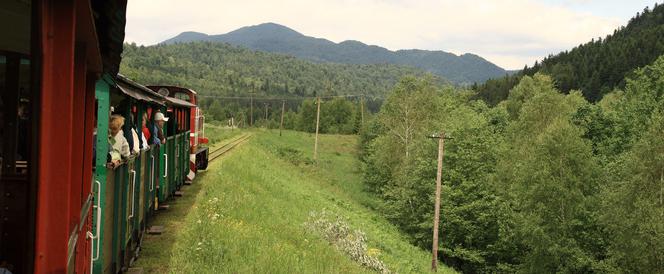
(222,70)
(597,67)
(271,37)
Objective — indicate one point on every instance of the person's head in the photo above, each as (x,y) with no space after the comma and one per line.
(115,124)
(6,265)
(144,121)
(22,109)
(160,119)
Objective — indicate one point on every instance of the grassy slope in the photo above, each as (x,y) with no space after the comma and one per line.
(255,224)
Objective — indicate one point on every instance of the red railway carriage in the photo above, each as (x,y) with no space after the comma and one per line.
(199,154)
(53,54)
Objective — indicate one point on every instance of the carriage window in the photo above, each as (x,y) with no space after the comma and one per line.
(16,123)
(3,73)
(15,95)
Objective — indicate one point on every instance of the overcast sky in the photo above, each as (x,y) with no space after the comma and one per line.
(509,33)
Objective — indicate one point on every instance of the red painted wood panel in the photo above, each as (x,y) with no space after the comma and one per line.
(55,142)
(78,196)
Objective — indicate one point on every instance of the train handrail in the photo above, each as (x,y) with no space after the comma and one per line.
(152,174)
(93,237)
(133,195)
(166,165)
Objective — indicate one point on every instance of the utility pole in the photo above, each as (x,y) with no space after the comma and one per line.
(251,119)
(362,111)
(283,107)
(317,122)
(436,216)
(265,115)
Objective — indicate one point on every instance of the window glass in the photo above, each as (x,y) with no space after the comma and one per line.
(23,116)
(3,82)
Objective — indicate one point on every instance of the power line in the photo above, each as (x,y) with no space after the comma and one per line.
(288,99)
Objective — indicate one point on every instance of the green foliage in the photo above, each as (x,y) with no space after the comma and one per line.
(350,241)
(544,182)
(217,69)
(597,67)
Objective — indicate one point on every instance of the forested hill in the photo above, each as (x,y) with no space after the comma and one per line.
(225,70)
(270,37)
(598,66)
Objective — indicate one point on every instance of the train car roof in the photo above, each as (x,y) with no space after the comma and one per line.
(138,91)
(157,87)
(179,102)
(110,19)
(143,93)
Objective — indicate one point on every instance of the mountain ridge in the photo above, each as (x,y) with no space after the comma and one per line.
(461,69)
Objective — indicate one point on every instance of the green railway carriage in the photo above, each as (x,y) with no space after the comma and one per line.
(127,195)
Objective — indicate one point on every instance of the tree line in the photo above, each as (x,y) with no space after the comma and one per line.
(545,181)
(219,69)
(596,67)
(338,115)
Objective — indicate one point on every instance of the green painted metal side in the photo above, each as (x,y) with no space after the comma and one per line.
(99,187)
(163,186)
(176,164)
(139,177)
(152,174)
(170,143)
(186,150)
(116,233)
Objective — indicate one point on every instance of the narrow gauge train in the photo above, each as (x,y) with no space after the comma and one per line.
(62,208)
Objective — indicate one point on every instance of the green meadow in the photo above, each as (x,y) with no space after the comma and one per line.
(252,212)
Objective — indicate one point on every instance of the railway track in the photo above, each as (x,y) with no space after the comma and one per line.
(228,147)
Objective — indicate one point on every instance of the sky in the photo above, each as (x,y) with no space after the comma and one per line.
(509,33)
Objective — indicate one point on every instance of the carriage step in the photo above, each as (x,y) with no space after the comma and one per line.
(179,193)
(135,270)
(163,207)
(156,230)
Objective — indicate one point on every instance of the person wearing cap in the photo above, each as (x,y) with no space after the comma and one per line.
(159,119)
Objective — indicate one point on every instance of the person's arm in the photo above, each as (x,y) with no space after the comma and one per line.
(155,135)
(162,138)
(124,149)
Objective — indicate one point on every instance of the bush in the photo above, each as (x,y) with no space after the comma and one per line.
(351,242)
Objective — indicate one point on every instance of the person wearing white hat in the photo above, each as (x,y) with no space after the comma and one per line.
(160,119)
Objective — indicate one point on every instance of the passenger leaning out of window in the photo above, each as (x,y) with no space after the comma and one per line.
(145,132)
(119,147)
(159,120)
(134,135)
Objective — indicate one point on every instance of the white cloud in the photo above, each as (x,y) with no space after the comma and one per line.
(510,33)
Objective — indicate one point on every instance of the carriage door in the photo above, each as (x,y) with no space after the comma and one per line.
(17,188)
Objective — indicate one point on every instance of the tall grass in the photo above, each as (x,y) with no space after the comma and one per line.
(252,212)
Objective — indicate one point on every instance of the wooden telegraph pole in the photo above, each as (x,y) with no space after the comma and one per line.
(251,119)
(283,108)
(317,122)
(362,111)
(436,216)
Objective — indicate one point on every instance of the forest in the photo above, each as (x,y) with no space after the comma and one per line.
(219,70)
(232,81)
(338,115)
(596,67)
(546,181)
